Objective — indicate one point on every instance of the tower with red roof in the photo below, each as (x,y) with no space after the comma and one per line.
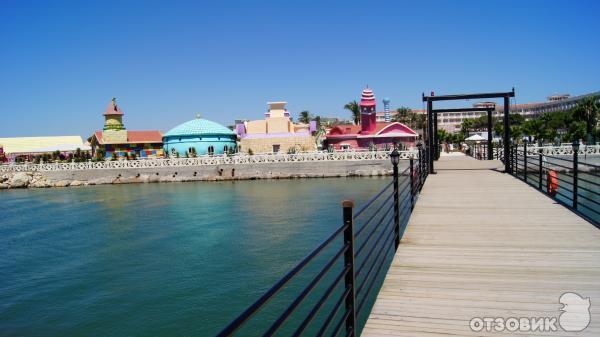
(368,118)
(114,131)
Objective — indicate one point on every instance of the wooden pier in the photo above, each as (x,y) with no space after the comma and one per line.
(481,243)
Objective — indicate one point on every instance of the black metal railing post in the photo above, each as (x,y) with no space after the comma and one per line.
(575,171)
(412,184)
(350,300)
(525,161)
(515,161)
(395,158)
(540,169)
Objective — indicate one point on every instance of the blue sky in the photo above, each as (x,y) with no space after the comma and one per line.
(62,61)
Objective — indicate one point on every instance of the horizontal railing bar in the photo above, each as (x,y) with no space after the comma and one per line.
(315,309)
(366,297)
(250,311)
(559,165)
(375,260)
(589,164)
(290,309)
(564,195)
(368,238)
(366,224)
(591,209)
(564,181)
(357,214)
(569,159)
(366,259)
(593,174)
(589,181)
(588,199)
(333,313)
(594,192)
(337,330)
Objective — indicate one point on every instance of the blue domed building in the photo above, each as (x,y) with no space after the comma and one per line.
(199,136)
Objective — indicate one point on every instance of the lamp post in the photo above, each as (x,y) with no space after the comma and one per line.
(395,157)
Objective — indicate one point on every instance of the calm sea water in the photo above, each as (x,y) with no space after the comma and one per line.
(157,259)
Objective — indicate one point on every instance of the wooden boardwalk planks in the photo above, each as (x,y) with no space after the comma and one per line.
(481,243)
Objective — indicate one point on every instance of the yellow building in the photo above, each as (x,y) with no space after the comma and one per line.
(32,146)
(276,133)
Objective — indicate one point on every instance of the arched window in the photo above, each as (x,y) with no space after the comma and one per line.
(211,150)
(225,149)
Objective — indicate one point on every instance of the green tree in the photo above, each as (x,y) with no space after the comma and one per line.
(403,115)
(304,117)
(354,108)
(588,111)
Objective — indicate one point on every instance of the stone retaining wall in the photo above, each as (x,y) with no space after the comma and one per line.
(283,170)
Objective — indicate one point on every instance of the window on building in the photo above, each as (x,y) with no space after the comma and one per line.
(211,150)
(276,148)
(345,147)
(225,149)
(173,151)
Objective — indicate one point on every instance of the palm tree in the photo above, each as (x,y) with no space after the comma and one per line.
(355,109)
(404,115)
(304,117)
(587,110)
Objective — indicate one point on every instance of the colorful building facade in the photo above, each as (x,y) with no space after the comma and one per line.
(276,133)
(116,141)
(199,137)
(370,133)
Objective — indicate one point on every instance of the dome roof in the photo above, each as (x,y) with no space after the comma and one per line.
(199,126)
(386,100)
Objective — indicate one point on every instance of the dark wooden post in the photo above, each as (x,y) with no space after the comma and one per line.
(575,171)
(395,157)
(436,142)
(525,161)
(490,154)
(348,207)
(540,169)
(430,153)
(412,184)
(507,168)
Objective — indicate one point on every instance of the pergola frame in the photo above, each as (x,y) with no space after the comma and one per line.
(488,110)
(432,137)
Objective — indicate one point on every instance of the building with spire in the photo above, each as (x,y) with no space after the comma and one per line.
(370,133)
(116,141)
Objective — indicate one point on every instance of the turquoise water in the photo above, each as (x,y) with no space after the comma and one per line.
(157,259)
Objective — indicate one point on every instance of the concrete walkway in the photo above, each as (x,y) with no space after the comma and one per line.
(481,243)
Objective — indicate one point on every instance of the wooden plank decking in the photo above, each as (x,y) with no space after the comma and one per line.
(484,244)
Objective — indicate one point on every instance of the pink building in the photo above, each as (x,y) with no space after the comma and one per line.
(370,132)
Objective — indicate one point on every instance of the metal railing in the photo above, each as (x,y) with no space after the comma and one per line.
(571,180)
(351,271)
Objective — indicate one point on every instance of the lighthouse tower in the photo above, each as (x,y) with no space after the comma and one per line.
(114,131)
(368,118)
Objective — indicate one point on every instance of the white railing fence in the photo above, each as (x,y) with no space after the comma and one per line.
(207,160)
(562,150)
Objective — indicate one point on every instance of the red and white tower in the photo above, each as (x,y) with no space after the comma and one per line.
(368,118)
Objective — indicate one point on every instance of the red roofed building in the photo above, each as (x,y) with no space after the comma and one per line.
(370,133)
(116,141)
